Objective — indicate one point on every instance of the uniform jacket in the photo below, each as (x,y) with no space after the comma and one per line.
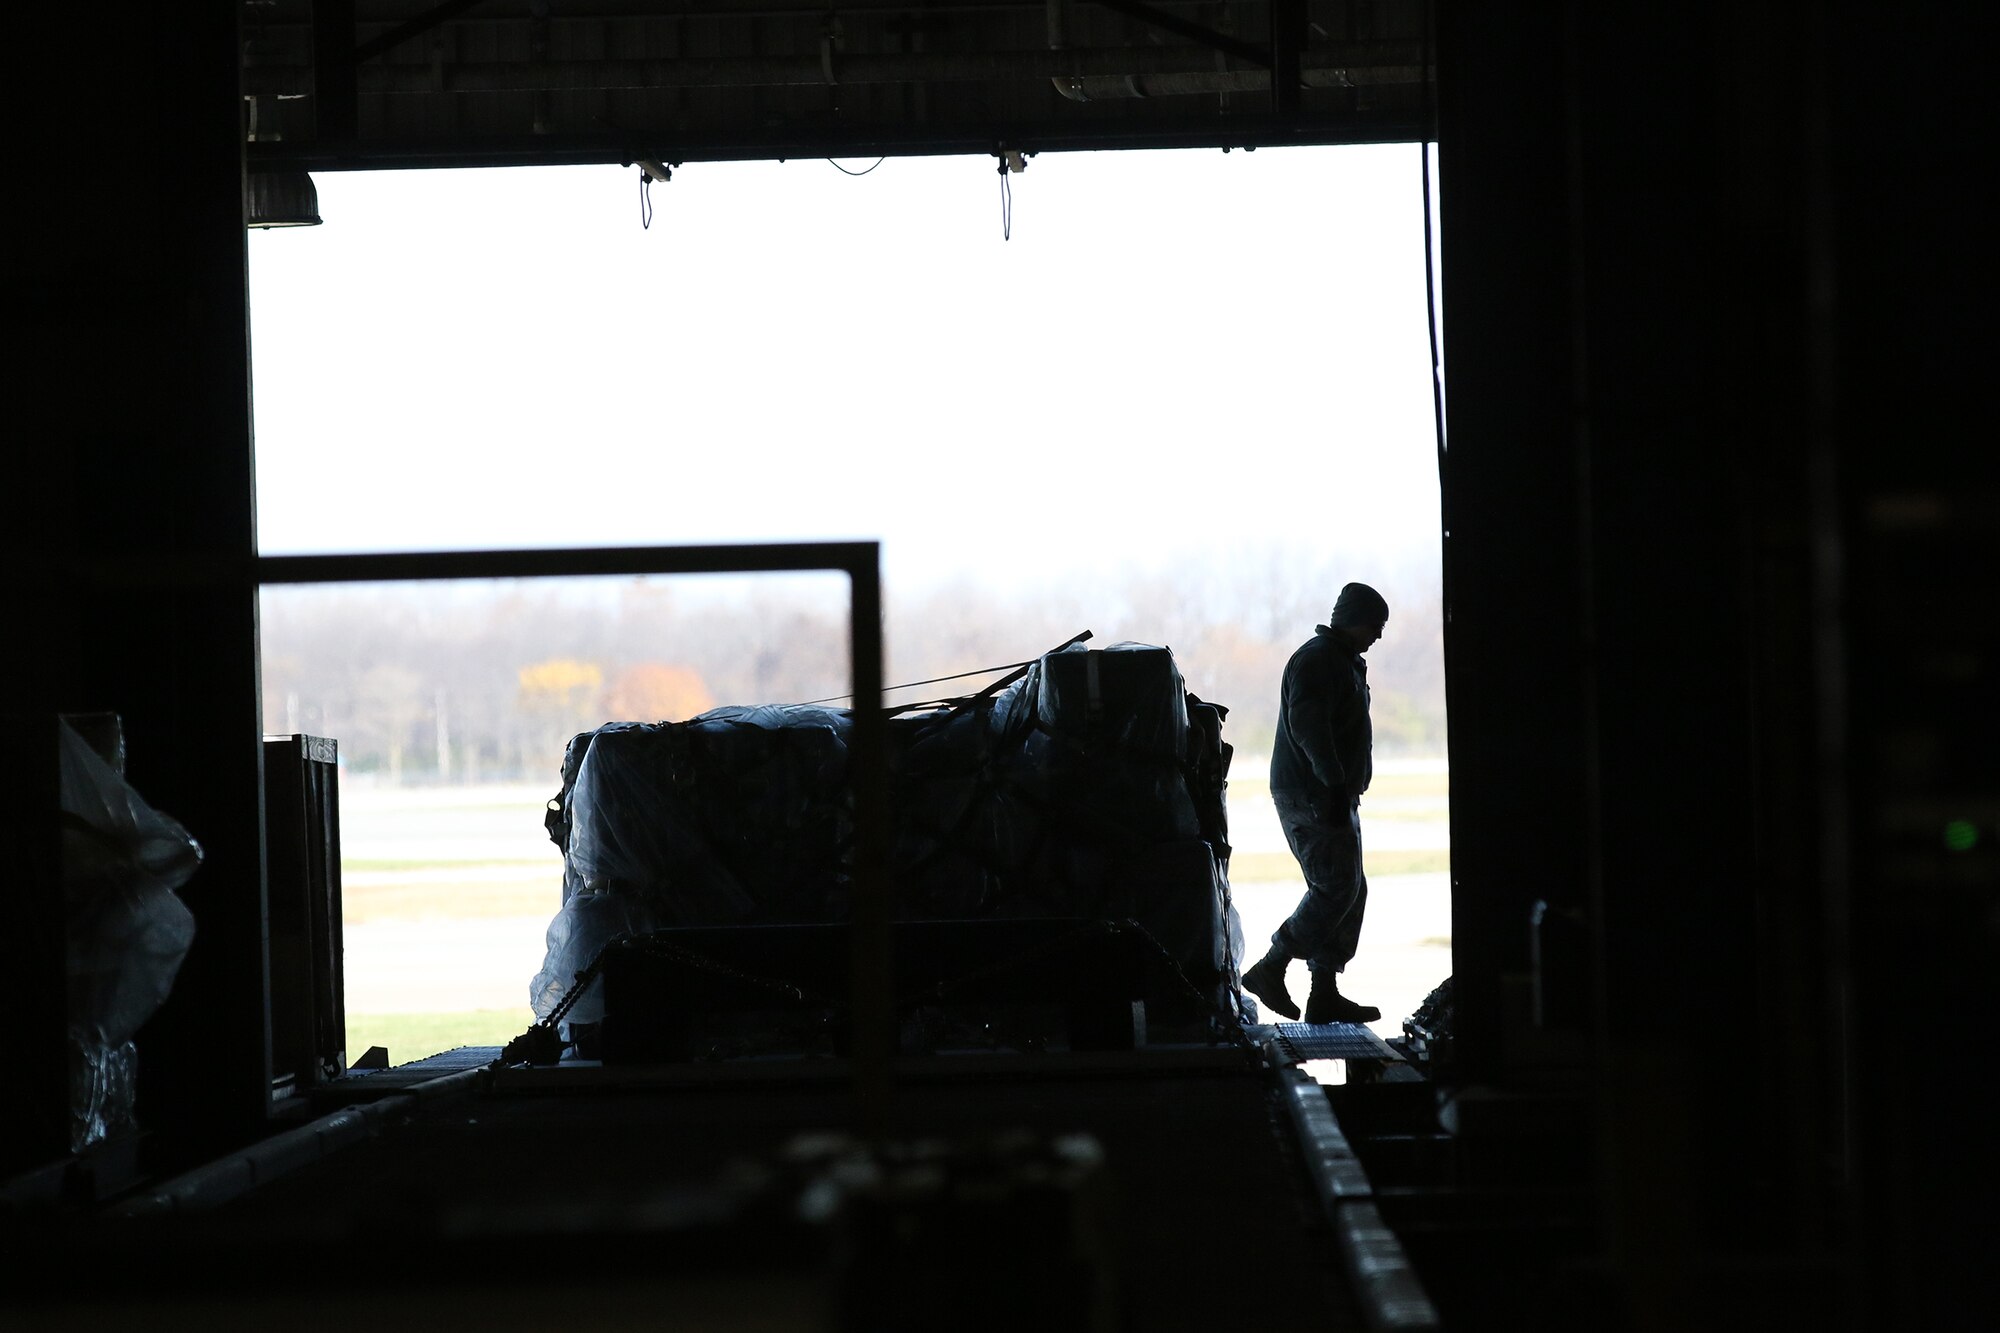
(1324,743)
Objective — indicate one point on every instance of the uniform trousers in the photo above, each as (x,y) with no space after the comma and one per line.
(1325,928)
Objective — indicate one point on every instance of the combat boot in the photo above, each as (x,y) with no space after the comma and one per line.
(1265,979)
(1325,1003)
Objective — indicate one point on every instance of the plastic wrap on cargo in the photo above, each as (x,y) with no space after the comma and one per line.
(1109,748)
(127,931)
(1031,802)
(557,819)
(1127,698)
(584,924)
(1175,892)
(1035,800)
(736,815)
(102,1088)
(1208,772)
(965,834)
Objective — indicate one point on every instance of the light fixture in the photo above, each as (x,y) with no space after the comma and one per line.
(281,199)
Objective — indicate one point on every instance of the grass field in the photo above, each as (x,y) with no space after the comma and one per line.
(413,1036)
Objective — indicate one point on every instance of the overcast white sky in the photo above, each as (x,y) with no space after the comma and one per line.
(1191,351)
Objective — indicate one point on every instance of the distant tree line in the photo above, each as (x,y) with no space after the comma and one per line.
(470,683)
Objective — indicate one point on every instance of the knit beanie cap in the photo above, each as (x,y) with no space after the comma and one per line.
(1359,604)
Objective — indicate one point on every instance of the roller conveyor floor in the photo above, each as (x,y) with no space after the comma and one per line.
(1156,1189)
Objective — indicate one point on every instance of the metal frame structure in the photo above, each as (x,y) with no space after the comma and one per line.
(872,979)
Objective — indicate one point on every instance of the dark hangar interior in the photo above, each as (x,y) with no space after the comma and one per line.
(1721,528)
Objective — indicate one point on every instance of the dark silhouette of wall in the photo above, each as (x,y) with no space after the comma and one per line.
(1714,531)
(127,558)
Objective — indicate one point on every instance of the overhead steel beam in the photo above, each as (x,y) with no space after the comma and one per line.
(1376,64)
(434,17)
(702,143)
(1207,36)
(430,566)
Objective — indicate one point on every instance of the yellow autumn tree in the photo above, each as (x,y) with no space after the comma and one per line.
(561,683)
(657,692)
(557,698)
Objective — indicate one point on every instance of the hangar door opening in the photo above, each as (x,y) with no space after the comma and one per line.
(1174,398)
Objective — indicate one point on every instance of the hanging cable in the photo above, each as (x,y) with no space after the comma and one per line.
(844,171)
(1430,242)
(1006,202)
(651,170)
(912,684)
